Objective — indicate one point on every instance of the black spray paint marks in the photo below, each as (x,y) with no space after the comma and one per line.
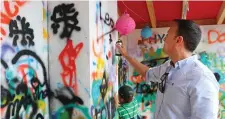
(5,97)
(62,13)
(34,55)
(4,64)
(154,62)
(104,86)
(161,37)
(122,72)
(108,109)
(39,93)
(107,20)
(28,99)
(110,41)
(110,38)
(68,99)
(24,30)
(35,80)
(146,88)
(15,105)
(39,116)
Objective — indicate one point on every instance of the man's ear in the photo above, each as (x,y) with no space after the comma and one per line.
(179,39)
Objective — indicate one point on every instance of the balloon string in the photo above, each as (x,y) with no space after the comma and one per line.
(134,12)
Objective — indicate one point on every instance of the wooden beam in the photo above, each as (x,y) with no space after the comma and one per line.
(221,14)
(151,13)
(206,22)
(185,9)
(168,23)
(118,11)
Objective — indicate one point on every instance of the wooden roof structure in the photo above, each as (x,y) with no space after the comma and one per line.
(160,13)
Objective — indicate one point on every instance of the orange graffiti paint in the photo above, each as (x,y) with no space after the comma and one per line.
(4,18)
(20,3)
(220,37)
(10,12)
(94,75)
(109,54)
(22,68)
(97,75)
(98,42)
(2,110)
(2,32)
(97,54)
(69,67)
(137,79)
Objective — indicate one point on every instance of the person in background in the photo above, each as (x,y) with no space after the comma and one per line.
(187,89)
(128,108)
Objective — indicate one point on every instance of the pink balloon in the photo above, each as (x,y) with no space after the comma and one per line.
(125,24)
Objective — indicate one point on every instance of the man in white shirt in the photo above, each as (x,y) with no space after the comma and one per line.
(187,88)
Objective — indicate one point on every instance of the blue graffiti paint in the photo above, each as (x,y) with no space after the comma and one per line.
(59,85)
(204,59)
(4,48)
(94,63)
(87,91)
(104,48)
(9,74)
(84,110)
(97,11)
(28,60)
(96,91)
(46,48)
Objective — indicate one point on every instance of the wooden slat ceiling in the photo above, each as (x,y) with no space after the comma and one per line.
(161,13)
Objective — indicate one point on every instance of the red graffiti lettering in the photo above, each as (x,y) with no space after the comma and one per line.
(97,75)
(99,43)
(9,13)
(220,37)
(137,79)
(67,59)
(109,54)
(3,31)
(22,68)
(20,3)
(4,18)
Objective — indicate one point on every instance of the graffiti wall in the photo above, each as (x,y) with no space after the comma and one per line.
(103,61)
(68,28)
(24,61)
(211,52)
(58,60)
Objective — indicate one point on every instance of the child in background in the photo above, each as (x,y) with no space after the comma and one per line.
(128,108)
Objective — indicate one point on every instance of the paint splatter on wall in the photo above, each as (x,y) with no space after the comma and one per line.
(211,51)
(45,60)
(68,29)
(24,69)
(103,60)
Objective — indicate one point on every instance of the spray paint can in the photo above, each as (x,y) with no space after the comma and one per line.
(120,43)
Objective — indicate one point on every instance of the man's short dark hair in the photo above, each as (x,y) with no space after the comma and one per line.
(190,32)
